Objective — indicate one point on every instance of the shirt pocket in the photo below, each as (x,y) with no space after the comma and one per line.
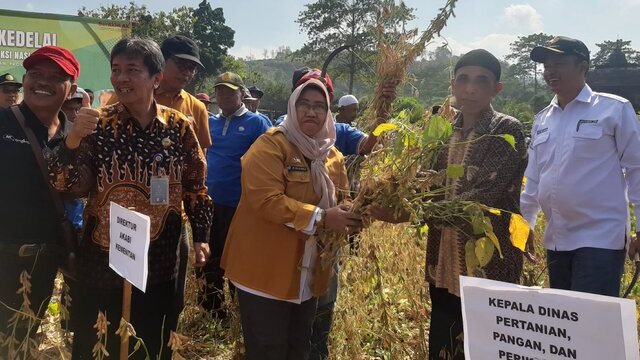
(541,147)
(589,142)
(297,180)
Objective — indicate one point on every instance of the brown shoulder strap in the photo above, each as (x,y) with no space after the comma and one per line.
(37,152)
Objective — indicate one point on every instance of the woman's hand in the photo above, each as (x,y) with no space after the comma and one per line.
(341,220)
(387,214)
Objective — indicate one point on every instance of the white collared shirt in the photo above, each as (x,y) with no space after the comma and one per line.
(581,161)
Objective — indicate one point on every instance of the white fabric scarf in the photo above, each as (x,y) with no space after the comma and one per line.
(315,149)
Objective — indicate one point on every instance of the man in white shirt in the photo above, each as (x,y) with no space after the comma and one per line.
(584,159)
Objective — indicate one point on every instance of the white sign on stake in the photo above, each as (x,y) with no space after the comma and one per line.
(511,322)
(129,244)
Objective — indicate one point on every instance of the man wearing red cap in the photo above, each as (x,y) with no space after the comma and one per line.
(24,248)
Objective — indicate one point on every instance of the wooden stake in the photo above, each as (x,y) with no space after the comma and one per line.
(126,315)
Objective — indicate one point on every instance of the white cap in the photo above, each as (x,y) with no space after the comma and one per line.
(347,100)
(78,94)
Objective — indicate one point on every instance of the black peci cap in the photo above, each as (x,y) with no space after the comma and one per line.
(181,47)
(256,92)
(561,45)
(297,75)
(482,58)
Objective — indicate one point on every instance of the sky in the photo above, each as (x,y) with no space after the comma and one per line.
(491,24)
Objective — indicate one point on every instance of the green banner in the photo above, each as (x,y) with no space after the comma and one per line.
(90,40)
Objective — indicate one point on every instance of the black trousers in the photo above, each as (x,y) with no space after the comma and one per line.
(42,268)
(275,329)
(153,316)
(446,325)
(213,298)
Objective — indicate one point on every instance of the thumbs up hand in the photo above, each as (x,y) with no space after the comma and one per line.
(85,123)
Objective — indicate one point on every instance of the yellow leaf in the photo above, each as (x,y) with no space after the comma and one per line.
(494,239)
(484,251)
(495,211)
(470,257)
(383,128)
(519,231)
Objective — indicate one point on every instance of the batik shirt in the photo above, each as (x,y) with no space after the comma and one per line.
(116,164)
(493,172)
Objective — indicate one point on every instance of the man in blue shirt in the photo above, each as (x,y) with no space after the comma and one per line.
(232,133)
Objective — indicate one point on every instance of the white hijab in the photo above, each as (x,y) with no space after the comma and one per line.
(316,148)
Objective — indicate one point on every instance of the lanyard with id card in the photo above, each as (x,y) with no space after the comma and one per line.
(160,189)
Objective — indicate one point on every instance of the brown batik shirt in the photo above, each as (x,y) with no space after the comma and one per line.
(117,164)
(493,173)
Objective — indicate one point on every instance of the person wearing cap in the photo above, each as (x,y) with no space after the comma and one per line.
(30,228)
(493,171)
(206,100)
(233,132)
(182,61)
(584,163)
(74,103)
(294,182)
(143,156)
(347,109)
(9,90)
(252,102)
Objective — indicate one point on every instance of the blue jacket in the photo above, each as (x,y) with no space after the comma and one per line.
(231,138)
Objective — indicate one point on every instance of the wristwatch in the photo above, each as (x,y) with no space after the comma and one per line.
(320,218)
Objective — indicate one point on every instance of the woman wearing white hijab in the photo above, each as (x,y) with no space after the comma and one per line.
(293,181)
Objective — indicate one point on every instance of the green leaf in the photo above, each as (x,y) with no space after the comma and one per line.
(54,308)
(422,231)
(510,139)
(477,221)
(438,129)
(455,171)
(484,251)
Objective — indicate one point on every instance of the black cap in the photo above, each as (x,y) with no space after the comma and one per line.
(256,92)
(8,79)
(297,75)
(561,45)
(482,58)
(181,47)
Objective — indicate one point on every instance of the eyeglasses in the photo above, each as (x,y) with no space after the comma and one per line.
(318,108)
(185,65)
(10,89)
(50,78)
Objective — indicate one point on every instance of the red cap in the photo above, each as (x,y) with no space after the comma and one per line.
(61,56)
(203,97)
(315,74)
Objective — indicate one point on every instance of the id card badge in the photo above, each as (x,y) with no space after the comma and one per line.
(159,190)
